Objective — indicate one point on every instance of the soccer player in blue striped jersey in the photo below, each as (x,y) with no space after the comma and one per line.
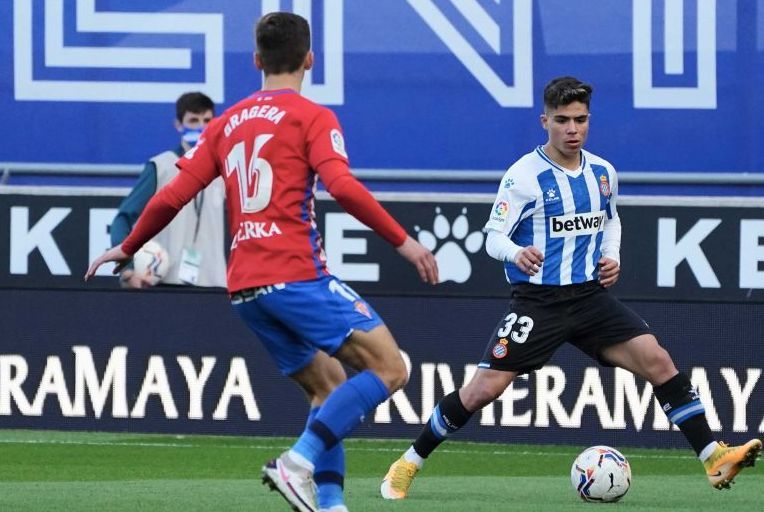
(565,217)
(555,227)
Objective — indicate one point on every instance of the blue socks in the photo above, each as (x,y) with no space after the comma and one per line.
(343,410)
(321,442)
(329,474)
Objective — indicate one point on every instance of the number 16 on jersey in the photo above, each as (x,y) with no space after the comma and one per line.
(255,179)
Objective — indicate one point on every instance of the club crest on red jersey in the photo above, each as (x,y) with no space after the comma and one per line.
(361,307)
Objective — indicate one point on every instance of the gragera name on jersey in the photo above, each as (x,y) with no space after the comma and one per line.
(273,114)
(254,230)
(576,224)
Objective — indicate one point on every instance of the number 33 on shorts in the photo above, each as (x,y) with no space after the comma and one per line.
(516,328)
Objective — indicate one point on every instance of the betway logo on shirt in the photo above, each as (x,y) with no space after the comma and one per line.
(576,224)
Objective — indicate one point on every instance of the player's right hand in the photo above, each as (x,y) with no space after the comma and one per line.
(529,260)
(115,254)
(421,258)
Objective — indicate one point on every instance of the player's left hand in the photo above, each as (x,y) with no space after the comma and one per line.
(421,258)
(609,272)
(115,254)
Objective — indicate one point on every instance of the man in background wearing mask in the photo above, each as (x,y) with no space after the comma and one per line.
(193,260)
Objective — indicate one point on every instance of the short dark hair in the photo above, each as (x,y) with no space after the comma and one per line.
(564,90)
(283,41)
(194,102)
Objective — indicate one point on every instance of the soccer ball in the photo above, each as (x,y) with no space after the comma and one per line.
(151,260)
(601,474)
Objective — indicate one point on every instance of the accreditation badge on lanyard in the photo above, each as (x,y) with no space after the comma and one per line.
(191,259)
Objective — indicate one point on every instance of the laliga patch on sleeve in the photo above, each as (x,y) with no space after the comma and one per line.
(338,142)
(500,210)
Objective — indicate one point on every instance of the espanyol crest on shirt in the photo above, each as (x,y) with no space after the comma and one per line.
(500,350)
(604,186)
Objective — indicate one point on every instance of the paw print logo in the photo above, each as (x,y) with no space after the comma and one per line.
(453,242)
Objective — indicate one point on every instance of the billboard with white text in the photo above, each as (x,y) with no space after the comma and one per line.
(149,362)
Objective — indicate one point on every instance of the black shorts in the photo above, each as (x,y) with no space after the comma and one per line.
(540,318)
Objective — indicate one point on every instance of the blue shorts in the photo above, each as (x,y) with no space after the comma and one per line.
(296,320)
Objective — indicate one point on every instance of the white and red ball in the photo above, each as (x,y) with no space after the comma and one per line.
(152,261)
(601,474)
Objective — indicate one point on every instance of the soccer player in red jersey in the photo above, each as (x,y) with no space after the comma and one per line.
(271,149)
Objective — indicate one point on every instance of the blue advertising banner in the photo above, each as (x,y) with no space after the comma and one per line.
(149,362)
(417,84)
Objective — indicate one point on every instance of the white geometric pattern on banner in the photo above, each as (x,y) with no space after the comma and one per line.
(89,21)
(520,94)
(648,95)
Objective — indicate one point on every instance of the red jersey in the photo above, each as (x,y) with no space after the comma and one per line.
(267,148)
(270,149)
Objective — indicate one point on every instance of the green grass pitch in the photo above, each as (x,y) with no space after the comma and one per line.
(84,472)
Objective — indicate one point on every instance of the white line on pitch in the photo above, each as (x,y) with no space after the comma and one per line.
(277,447)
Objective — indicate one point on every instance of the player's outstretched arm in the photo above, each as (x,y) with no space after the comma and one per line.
(421,258)
(115,254)
(159,211)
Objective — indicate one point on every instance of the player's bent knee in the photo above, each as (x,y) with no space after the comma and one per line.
(664,367)
(478,394)
(402,377)
(474,399)
(658,365)
(394,375)
(375,350)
